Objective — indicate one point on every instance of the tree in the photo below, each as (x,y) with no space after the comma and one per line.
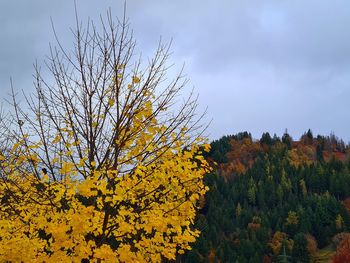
(238,210)
(104,164)
(251,193)
(287,139)
(339,222)
(303,188)
(277,242)
(266,259)
(266,139)
(292,223)
(292,218)
(343,251)
(300,252)
(307,138)
(311,245)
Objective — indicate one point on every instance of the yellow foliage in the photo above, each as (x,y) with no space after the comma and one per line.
(142,215)
(135,79)
(277,241)
(339,222)
(292,218)
(302,154)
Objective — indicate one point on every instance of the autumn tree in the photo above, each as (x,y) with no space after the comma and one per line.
(343,251)
(311,245)
(104,162)
(292,218)
(238,210)
(277,241)
(339,222)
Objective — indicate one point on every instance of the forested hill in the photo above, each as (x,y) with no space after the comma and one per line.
(275,200)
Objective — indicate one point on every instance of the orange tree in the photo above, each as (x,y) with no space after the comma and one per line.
(343,251)
(104,162)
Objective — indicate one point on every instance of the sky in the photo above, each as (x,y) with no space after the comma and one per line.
(256,65)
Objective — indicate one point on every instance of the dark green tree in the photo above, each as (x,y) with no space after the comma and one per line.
(287,139)
(300,252)
(266,139)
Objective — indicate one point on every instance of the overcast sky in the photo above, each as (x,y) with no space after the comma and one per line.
(257,65)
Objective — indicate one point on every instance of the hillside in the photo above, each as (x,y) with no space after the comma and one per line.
(274,199)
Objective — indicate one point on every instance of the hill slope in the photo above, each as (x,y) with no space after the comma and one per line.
(273,199)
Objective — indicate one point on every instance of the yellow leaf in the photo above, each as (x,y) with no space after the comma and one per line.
(15,146)
(66,168)
(135,79)
(111,102)
(57,139)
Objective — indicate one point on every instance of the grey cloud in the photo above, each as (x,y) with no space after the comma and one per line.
(288,33)
(257,65)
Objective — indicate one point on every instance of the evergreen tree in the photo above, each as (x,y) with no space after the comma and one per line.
(266,139)
(287,139)
(300,252)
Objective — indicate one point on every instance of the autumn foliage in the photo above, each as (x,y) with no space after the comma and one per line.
(343,251)
(139,216)
(99,168)
(236,154)
(240,157)
(311,245)
(285,205)
(277,242)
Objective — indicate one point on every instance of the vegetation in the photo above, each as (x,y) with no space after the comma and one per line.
(103,164)
(274,200)
(99,167)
